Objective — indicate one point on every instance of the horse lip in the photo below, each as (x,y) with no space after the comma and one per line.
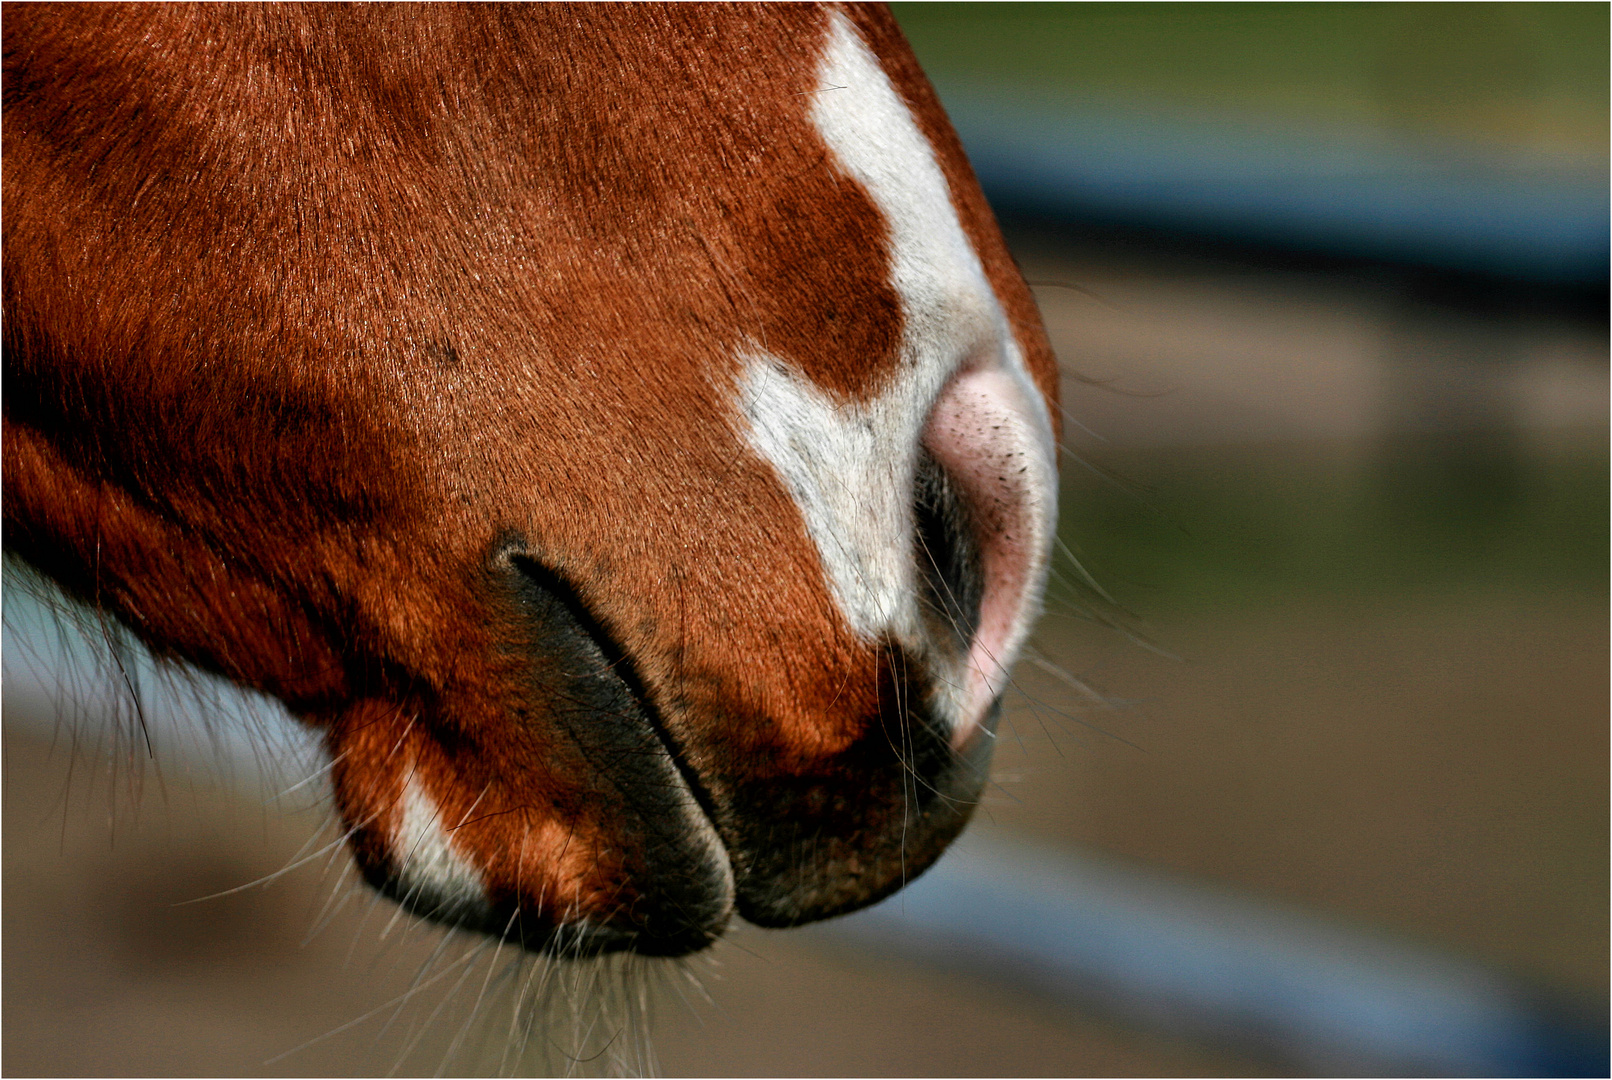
(642,762)
(839,871)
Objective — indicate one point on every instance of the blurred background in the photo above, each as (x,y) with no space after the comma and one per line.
(1308,769)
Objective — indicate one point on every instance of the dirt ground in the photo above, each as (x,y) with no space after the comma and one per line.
(1437,771)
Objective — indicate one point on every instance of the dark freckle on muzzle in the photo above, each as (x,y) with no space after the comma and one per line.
(441,352)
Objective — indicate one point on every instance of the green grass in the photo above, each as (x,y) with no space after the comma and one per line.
(1515,73)
(1188,529)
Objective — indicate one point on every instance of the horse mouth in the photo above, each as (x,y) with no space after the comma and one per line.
(703,832)
(667,826)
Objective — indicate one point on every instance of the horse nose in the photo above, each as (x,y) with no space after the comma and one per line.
(986,508)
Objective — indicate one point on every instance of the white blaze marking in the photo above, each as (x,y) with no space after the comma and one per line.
(850,466)
(435,877)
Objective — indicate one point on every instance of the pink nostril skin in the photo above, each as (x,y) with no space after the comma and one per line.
(990,432)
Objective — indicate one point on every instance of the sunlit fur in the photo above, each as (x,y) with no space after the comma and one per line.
(447,374)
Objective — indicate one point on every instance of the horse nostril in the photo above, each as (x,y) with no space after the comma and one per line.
(947,555)
(987,504)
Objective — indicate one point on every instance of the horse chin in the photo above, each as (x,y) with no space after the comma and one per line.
(539,803)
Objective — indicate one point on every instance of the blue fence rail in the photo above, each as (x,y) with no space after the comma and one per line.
(1464,208)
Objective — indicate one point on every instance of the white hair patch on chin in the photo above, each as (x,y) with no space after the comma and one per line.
(432,877)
